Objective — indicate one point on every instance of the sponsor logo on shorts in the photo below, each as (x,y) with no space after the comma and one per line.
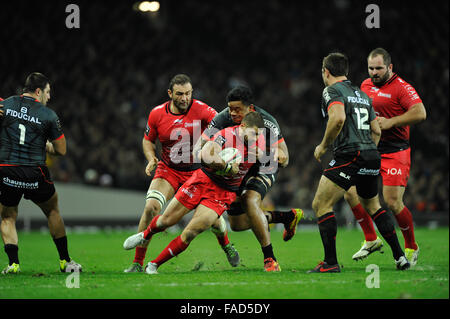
(20,184)
(342,174)
(394,171)
(368,171)
(188,193)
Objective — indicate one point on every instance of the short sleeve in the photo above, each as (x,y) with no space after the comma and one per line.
(330,97)
(54,129)
(151,132)
(407,96)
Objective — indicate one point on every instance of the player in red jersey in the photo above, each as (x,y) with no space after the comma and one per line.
(398,106)
(177,123)
(210,190)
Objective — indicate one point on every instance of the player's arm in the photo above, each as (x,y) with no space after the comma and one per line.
(414,115)
(336,120)
(210,158)
(283,154)
(375,131)
(57,147)
(149,149)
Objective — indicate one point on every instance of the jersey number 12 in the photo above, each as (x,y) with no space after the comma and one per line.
(362,116)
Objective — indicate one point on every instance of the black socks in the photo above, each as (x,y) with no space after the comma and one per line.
(268,252)
(328,230)
(13,253)
(281,217)
(387,230)
(61,245)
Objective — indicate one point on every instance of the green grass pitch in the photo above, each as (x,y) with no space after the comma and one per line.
(202,271)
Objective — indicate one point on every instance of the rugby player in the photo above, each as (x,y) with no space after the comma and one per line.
(177,123)
(398,106)
(209,191)
(246,212)
(353,133)
(29,130)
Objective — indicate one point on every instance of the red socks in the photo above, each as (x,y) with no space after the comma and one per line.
(366,223)
(152,228)
(405,222)
(174,248)
(223,241)
(139,255)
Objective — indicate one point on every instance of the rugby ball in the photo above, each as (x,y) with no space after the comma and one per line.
(230,155)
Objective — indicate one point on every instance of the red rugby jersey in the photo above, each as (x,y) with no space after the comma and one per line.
(229,137)
(393,98)
(178,133)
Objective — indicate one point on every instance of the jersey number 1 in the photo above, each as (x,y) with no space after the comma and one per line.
(22,129)
(362,115)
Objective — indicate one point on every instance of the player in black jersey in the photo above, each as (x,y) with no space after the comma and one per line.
(353,132)
(246,213)
(29,130)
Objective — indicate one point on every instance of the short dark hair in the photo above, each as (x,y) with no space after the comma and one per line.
(336,63)
(380,51)
(253,119)
(179,79)
(35,81)
(241,93)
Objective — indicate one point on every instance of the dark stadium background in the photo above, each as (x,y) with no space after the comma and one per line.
(107,75)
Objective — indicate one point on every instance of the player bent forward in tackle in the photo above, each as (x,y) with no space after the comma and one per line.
(353,131)
(23,147)
(246,212)
(210,190)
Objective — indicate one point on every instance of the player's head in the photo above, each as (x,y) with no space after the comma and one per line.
(379,65)
(180,91)
(239,100)
(334,65)
(249,128)
(38,85)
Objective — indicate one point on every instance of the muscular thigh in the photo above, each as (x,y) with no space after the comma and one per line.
(328,193)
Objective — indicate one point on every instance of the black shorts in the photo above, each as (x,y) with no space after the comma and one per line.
(33,182)
(260,185)
(361,169)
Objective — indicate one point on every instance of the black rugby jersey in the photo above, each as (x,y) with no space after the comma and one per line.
(356,132)
(26,126)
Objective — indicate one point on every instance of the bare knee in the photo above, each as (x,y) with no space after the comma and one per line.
(151,209)
(9,213)
(394,204)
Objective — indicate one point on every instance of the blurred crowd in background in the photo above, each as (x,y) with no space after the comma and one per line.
(108,74)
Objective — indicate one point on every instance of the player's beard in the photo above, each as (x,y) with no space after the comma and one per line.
(379,81)
(182,107)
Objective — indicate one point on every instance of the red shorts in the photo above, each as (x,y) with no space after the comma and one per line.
(200,189)
(174,177)
(395,168)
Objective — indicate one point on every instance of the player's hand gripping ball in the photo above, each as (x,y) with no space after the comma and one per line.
(229,155)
